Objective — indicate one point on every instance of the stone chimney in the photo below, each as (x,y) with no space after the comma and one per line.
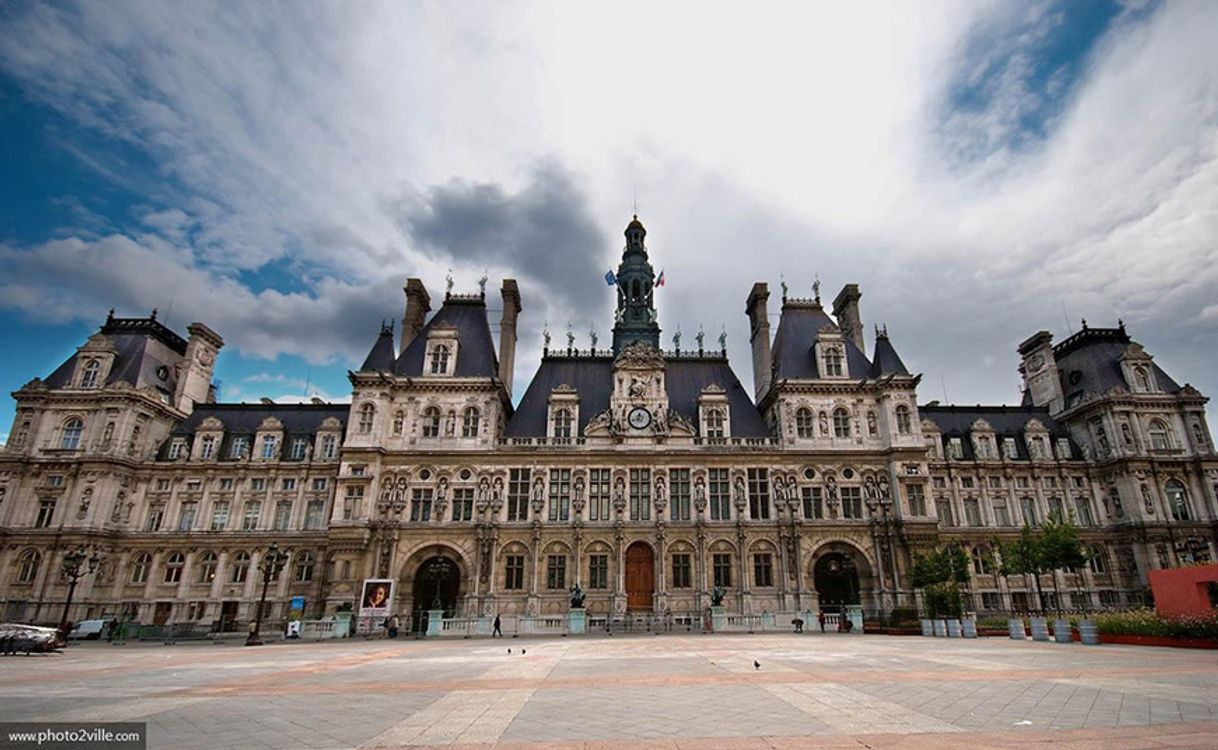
(1041,377)
(759,337)
(418,304)
(846,310)
(198,364)
(507,333)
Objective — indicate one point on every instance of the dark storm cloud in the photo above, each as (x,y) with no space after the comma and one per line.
(544,233)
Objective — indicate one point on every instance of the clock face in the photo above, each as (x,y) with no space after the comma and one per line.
(639,418)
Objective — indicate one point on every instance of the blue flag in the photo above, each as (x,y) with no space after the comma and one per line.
(610,279)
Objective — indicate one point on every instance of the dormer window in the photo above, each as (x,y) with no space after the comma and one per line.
(439,360)
(1142,378)
(804,423)
(207,447)
(175,449)
(268,446)
(833,362)
(89,375)
(955,448)
(69,439)
(299,446)
(1010,449)
(238,447)
(431,422)
(562,424)
(329,446)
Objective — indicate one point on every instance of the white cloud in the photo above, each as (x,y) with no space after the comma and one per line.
(788,139)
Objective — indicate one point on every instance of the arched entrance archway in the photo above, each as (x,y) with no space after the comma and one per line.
(640,577)
(836,578)
(437,585)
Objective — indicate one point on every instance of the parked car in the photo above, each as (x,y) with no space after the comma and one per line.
(16,638)
(91,630)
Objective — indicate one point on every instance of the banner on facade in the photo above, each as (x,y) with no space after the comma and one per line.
(296,609)
(377,598)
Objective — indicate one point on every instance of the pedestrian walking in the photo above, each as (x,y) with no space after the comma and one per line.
(820,618)
(497,631)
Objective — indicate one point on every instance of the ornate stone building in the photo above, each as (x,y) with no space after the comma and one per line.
(648,476)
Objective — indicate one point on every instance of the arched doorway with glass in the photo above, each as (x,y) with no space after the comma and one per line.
(640,577)
(841,577)
(436,586)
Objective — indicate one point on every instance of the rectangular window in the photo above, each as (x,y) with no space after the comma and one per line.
(353,500)
(1110,599)
(46,511)
(939,483)
(991,601)
(1057,510)
(679,505)
(156,516)
(257,484)
(175,450)
(972,511)
(219,515)
(268,446)
(955,448)
(556,572)
(1050,482)
(226,484)
(463,504)
(1009,449)
(560,494)
(186,520)
(329,446)
(1019,601)
(915,499)
(682,571)
(1082,508)
(852,502)
(966,483)
(720,492)
(598,571)
(283,515)
(518,494)
(207,447)
(299,445)
(1028,506)
(319,485)
(759,494)
(763,570)
(194,485)
(995,483)
(420,505)
(315,515)
(721,568)
(288,484)
(599,494)
(640,494)
(236,449)
(249,518)
(813,502)
(513,572)
(943,508)
(162,485)
(1002,516)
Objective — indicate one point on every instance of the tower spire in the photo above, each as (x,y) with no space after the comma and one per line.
(635,318)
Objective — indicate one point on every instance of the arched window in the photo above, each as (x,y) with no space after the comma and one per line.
(140,566)
(904,425)
(470,422)
(804,424)
(833,363)
(715,423)
(174,566)
(399,421)
(72,430)
(88,377)
(304,567)
(562,424)
(241,567)
(27,570)
(841,423)
(1177,500)
(1160,438)
(207,568)
(439,359)
(367,413)
(431,422)
(982,565)
(1097,559)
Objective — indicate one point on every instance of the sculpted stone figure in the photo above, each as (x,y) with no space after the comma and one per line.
(577,597)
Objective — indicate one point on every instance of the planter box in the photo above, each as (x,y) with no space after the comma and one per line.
(969,628)
(1157,640)
(953,628)
(1088,634)
(940,628)
(1040,629)
(1015,629)
(1061,631)
(928,628)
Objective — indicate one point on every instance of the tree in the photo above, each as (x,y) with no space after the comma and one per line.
(939,573)
(1061,548)
(1053,546)
(1023,556)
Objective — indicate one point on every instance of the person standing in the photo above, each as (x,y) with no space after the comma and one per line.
(820,618)
(497,631)
(393,626)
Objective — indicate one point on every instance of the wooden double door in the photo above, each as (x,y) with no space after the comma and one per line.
(640,577)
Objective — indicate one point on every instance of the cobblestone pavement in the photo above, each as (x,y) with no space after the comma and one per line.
(670,691)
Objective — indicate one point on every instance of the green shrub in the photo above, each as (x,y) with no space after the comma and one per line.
(1147,622)
(943,601)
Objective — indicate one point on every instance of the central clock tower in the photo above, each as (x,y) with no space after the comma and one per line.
(635,318)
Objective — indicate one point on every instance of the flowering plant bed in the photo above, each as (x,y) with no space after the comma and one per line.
(1158,640)
(1145,627)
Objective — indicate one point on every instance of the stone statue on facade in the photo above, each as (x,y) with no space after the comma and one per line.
(717,594)
(577,597)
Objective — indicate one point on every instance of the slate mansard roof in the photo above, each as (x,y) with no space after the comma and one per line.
(792,349)
(1007,421)
(142,347)
(1090,362)
(592,378)
(299,421)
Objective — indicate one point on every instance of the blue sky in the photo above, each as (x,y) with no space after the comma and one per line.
(982,170)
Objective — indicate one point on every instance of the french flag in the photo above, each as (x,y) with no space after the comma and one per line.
(660,281)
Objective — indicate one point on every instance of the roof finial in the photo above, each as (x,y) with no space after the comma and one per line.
(701,335)
(154,313)
(449,281)
(1121,325)
(782,280)
(570,337)
(816,289)
(482,284)
(1084,324)
(723,339)
(110,317)
(676,340)
(592,335)
(545,337)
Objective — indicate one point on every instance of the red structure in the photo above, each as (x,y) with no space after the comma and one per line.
(1185,591)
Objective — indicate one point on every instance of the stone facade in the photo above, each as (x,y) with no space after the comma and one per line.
(648,476)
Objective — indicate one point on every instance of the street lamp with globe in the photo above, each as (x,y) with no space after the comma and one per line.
(75,567)
(270,565)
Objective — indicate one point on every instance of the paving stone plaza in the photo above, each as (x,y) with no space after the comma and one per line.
(670,691)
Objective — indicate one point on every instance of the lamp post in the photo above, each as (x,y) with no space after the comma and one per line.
(437,572)
(270,565)
(74,569)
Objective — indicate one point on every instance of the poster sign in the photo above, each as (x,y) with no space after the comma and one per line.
(296,610)
(376,599)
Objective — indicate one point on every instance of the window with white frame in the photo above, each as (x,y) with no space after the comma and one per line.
(599,494)
(329,446)
(471,420)
(841,423)
(268,446)
(805,424)
(439,359)
(562,424)
(89,374)
(833,362)
(299,446)
(1160,435)
(1177,500)
(904,421)
(367,414)
(69,438)
(716,423)
(431,422)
